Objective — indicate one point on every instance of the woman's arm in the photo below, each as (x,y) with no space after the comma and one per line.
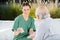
(19,30)
(31,34)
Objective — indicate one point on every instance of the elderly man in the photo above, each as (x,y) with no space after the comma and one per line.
(44,26)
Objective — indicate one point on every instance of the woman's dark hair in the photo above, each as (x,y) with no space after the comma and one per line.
(26,4)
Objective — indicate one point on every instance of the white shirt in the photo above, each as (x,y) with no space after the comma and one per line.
(44,30)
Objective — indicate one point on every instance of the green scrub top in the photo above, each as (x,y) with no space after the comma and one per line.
(26,25)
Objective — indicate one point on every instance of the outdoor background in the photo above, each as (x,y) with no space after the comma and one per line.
(9,9)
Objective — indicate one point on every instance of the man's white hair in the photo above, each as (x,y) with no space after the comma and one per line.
(40,14)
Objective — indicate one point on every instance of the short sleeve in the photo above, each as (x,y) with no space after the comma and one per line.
(33,26)
(15,26)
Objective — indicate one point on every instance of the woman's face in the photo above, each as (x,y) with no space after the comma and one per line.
(26,10)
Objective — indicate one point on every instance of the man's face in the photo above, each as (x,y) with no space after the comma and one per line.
(26,10)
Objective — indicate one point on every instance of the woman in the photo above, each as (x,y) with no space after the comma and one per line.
(24,28)
(43,23)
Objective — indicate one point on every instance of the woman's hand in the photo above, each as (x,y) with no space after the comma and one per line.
(32,34)
(16,32)
(19,30)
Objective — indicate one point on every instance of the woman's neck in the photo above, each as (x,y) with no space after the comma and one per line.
(25,17)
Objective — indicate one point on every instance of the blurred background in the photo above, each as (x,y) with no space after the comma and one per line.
(9,9)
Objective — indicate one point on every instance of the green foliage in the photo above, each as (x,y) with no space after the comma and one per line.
(55,12)
(32,11)
(11,11)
